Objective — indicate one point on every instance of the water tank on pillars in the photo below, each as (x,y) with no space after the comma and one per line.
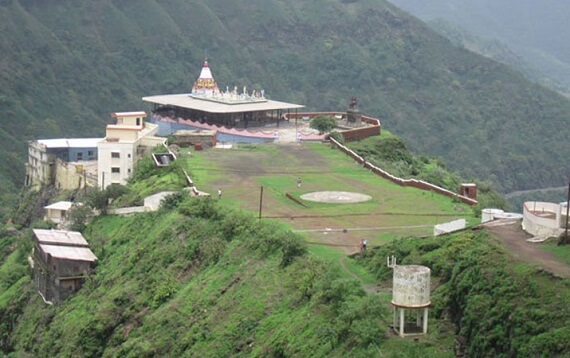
(410,298)
(411,287)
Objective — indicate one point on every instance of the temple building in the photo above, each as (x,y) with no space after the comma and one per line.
(231,107)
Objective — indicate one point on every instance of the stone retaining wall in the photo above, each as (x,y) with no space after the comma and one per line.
(420,184)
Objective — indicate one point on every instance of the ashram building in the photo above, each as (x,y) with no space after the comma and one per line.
(125,143)
(64,162)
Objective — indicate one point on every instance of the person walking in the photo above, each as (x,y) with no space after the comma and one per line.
(299,182)
(219,193)
(364,242)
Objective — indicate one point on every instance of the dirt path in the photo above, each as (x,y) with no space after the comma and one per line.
(370,289)
(510,233)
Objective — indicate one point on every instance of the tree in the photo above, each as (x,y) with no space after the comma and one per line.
(78,216)
(323,123)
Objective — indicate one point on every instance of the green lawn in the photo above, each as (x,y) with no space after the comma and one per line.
(393,212)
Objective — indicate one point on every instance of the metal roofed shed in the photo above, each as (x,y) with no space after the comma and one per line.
(70,253)
(61,262)
(60,205)
(60,237)
(57,213)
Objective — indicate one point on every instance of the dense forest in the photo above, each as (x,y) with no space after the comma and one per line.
(68,64)
(530,28)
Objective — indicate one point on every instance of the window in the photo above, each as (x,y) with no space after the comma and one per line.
(90,153)
(129,155)
(80,156)
(115,155)
(115,170)
(138,121)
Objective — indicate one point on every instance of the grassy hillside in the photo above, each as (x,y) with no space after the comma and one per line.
(500,306)
(197,280)
(200,277)
(68,64)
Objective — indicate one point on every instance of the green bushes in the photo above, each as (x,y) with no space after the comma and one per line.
(172,201)
(498,311)
(390,153)
(336,135)
(100,199)
(323,123)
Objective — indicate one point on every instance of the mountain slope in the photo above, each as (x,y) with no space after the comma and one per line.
(194,280)
(533,29)
(68,64)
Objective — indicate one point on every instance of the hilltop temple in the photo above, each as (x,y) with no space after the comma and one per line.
(230,107)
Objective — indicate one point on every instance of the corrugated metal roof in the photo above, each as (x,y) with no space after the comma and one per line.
(69,253)
(187,101)
(70,142)
(60,237)
(60,205)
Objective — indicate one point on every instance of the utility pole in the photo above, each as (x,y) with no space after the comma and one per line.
(260,201)
(567,211)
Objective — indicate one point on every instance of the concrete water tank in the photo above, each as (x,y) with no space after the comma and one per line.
(411,286)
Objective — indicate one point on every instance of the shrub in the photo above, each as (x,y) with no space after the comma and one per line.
(201,207)
(336,135)
(323,123)
(100,199)
(172,201)
(78,216)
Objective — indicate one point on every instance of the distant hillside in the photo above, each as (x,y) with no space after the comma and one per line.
(496,50)
(532,28)
(67,64)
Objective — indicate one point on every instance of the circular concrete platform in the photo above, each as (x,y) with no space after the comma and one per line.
(337,197)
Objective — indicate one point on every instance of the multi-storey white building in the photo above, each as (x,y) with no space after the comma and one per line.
(125,143)
(45,155)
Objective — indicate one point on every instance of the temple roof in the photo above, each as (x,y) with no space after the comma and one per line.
(206,97)
(187,101)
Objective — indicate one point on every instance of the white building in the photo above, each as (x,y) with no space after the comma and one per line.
(70,154)
(125,143)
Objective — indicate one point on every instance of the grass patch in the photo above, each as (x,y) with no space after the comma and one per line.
(562,252)
(350,268)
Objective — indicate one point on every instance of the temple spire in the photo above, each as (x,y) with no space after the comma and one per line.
(205,83)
